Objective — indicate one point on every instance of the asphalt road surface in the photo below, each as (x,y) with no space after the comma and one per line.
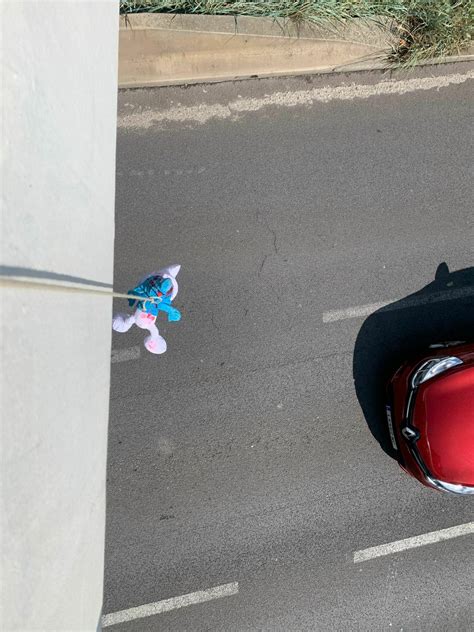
(247,459)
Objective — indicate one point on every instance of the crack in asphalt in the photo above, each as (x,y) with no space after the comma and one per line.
(261,219)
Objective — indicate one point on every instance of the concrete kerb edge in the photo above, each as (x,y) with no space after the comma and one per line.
(356,68)
(153,65)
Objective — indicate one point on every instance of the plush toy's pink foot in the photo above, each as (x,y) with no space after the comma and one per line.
(155,345)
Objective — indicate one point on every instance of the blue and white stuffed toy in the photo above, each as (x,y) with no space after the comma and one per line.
(163,288)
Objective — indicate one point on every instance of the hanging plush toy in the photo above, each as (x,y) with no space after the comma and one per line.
(161,287)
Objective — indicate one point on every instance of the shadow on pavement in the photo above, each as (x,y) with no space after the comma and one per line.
(440,312)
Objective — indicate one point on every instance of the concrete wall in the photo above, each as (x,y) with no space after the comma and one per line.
(59,76)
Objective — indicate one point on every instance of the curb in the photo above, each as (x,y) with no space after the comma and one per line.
(179,49)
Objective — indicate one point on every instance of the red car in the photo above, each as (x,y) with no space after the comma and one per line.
(430,415)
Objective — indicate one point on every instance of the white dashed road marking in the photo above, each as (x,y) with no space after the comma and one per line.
(123,355)
(142,173)
(412,543)
(150,609)
(360,311)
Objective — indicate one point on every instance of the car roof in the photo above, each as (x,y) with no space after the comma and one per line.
(444,415)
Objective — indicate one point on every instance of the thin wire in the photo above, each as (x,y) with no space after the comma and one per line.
(54,286)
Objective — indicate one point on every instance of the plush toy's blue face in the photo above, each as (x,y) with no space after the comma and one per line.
(162,287)
(153,287)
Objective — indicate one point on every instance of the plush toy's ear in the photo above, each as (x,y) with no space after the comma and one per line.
(173,270)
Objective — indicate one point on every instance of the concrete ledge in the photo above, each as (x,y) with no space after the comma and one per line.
(170,49)
(175,49)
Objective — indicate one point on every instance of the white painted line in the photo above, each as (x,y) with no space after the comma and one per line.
(412,543)
(123,355)
(360,311)
(150,609)
(203,112)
